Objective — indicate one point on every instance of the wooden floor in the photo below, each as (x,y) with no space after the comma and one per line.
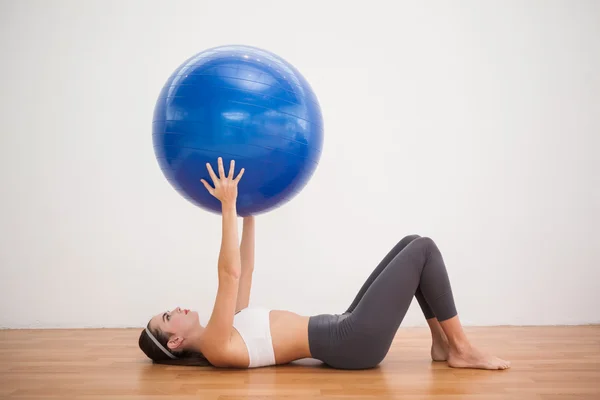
(548,363)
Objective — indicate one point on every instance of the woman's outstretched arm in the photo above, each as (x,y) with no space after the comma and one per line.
(218,328)
(247,258)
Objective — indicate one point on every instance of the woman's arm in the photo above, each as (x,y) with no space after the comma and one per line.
(229,273)
(218,328)
(247,260)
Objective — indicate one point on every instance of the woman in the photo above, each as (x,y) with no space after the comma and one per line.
(241,337)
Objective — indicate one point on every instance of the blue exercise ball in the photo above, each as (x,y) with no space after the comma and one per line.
(241,103)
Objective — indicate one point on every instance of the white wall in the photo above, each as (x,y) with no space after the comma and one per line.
(474,123)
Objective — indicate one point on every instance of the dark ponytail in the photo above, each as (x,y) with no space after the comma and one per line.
(158,355)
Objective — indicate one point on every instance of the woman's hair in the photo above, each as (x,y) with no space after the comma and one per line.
(153,342)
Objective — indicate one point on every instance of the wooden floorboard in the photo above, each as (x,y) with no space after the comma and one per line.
(549,363)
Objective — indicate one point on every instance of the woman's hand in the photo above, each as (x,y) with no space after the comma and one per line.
(225,186)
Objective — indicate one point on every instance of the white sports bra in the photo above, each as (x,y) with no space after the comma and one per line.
(254,327)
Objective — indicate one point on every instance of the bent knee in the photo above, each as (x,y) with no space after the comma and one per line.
(408,239)
(425,240)
(426,243)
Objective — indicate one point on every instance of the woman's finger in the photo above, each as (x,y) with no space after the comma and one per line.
(240,175)
(221,169)
(208,187)
(231,168)
(212,174)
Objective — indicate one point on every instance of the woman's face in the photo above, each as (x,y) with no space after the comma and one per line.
(177,322)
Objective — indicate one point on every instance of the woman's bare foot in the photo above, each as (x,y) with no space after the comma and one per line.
(439,350)
(470,357)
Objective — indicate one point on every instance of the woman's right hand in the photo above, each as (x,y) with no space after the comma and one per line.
(225,187)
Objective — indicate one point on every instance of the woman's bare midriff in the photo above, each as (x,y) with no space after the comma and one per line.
(289,333)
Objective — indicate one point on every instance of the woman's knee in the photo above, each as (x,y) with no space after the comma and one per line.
(426,243)
(408,239)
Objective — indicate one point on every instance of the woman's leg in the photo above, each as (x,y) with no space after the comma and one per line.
(363,338)
(384,263)
(463,354)
(439,346)
(440,349)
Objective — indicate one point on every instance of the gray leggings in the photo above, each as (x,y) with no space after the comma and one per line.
(361,337)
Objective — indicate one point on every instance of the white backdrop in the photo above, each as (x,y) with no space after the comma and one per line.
(474,123)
